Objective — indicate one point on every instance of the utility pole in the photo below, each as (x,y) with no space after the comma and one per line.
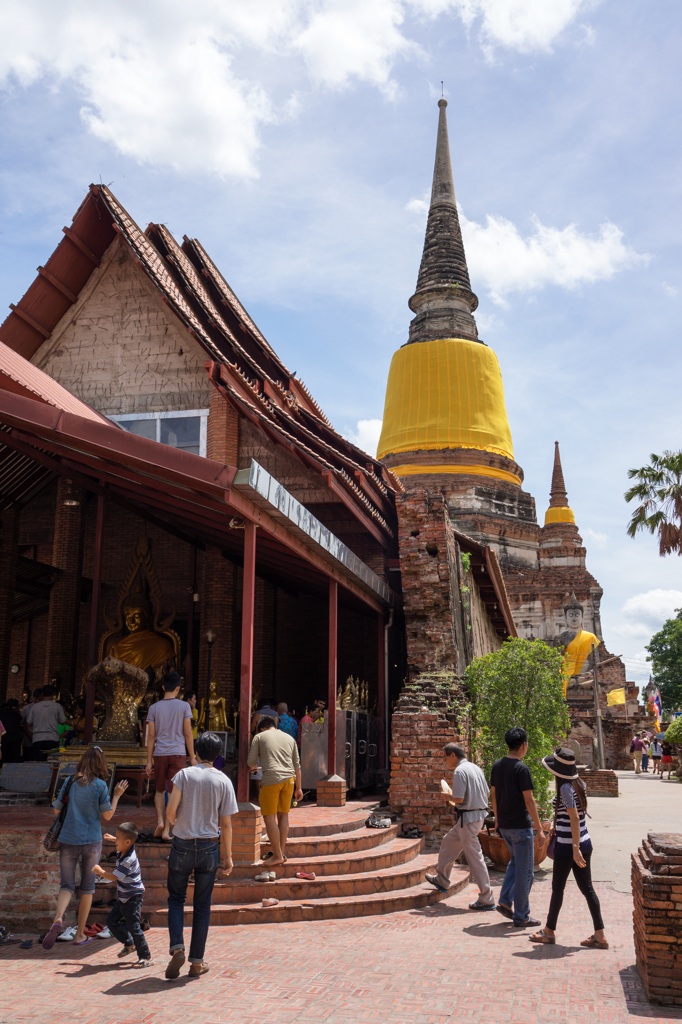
(600,736)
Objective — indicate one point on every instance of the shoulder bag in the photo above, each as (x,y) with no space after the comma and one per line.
(551,846)
(51,839)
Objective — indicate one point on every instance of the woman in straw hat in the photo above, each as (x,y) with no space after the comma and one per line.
(573,849)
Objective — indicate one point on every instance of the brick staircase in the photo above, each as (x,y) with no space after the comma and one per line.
(359,872)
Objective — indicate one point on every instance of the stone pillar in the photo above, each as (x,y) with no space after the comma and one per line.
(247,830)
(657,916)
(331,791)
(9,526)
(67,556)
(219,580)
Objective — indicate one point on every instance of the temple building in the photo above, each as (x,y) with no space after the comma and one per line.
(171,496)
(446,436)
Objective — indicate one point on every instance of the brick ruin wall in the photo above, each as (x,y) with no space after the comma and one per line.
(657,916)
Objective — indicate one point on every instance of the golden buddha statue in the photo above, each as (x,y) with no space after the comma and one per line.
(141,646)
(217,710)
(577,643)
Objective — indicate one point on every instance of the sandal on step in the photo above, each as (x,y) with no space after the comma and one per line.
(547,940)
(594,943)
(308,875)
(272,902)
(266,876)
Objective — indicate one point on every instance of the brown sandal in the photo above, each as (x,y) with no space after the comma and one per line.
(546,940)
(593,943)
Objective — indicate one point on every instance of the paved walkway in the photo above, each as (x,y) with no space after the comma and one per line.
(615,824)
(439,965)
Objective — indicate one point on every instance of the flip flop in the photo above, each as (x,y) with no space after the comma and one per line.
(51,937)
(83,943)
(593,943)
(270,902)
(308,875)
(26,944)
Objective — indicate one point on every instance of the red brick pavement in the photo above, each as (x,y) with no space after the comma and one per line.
(439,965)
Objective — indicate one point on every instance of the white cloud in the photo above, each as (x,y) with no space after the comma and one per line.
(522,25)
(354,39)
(644,614)
(505,262)
(188,86)
(366,435)
(597,540)
(670,289)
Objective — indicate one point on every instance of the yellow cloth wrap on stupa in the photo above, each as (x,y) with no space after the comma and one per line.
(559,515)
(445,394)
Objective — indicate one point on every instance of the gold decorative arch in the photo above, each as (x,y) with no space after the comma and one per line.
(141,569)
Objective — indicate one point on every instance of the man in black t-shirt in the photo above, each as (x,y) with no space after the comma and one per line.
(516,813)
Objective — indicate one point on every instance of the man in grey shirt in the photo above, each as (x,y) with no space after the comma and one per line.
(199,809)
(470,797)
(42,720)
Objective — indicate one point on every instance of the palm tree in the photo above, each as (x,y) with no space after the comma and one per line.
(659,489)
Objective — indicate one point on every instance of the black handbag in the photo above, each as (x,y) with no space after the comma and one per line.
(51,839)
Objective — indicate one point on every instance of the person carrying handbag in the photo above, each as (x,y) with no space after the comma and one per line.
(572,848)
(86,797)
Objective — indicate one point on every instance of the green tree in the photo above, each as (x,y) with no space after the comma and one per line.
(665,655)
(521,684)
(659,491)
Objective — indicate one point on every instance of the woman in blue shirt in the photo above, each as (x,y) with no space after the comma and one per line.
(81,837)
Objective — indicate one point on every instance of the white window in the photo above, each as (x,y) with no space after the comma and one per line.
(185,429)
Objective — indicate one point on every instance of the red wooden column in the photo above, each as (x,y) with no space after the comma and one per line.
(94,615)
(331,686)
(248,604)
(381,674)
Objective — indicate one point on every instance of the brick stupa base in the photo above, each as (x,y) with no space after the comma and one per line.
(657,916)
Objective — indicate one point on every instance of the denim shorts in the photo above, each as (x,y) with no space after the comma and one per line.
(69,855)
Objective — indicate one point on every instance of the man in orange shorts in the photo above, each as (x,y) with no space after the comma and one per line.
(281,766)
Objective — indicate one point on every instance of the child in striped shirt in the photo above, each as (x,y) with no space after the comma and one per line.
(124,920)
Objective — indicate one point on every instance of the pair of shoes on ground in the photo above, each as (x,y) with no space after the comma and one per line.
(266,876)
(176,962)
(96,931)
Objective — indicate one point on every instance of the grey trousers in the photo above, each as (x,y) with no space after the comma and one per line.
(464,837)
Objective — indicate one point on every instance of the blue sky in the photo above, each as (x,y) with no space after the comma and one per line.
(295,139)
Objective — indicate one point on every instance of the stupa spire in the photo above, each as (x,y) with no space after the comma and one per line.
(558,498)
(443,301)
(558,511)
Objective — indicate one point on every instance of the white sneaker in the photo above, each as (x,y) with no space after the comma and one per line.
(104,934)
(67,935)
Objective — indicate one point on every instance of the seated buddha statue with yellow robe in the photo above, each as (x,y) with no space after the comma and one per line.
(141,646)
(576,641)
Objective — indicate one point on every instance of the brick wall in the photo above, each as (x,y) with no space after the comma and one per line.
(417,761)
(599,782)
(657,916)
(29,881)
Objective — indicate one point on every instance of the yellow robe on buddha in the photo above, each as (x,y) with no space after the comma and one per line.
(576,654)
(143,649)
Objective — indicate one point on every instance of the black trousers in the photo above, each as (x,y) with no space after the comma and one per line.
(124,924)
(563,865)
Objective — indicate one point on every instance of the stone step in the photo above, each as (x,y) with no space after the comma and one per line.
(415,895)
(346,842)
(394,853)
(407,872)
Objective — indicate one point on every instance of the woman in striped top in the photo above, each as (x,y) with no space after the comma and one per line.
(573,850)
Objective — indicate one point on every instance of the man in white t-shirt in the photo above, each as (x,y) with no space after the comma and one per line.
(199,809)
(169,742)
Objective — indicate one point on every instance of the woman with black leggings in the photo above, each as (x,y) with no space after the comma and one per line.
(573,849)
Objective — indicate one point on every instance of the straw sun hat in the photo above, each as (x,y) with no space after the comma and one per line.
(561,763)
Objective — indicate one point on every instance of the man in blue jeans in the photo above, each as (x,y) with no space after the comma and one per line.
(199,809)
(516,813)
